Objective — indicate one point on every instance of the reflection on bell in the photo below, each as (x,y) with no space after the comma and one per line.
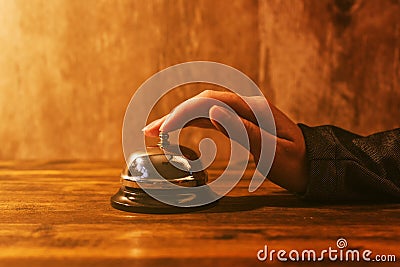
(157,170)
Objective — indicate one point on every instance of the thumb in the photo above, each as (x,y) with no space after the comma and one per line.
(221,117)
(259,140)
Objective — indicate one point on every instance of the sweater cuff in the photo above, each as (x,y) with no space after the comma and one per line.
(325,184)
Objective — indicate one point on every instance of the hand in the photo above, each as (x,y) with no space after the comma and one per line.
(289,168)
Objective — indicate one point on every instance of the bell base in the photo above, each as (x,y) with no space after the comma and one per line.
(138,201)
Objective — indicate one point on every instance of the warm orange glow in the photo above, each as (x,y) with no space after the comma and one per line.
(69,68)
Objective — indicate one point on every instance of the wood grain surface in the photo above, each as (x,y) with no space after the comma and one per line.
(57,213)
(68,67)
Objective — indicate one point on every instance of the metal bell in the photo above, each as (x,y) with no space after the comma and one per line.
(155,170)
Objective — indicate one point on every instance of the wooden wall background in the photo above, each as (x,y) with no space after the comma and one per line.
(68,68)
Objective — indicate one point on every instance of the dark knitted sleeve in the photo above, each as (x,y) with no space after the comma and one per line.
(344,166)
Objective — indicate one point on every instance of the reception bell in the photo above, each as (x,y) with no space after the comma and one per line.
(159,180)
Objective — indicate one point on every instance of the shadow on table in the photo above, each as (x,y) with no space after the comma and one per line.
(287,200)
(247,203)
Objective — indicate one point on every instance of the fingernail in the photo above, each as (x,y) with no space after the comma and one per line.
(148,126)
(162,126)
(220,113)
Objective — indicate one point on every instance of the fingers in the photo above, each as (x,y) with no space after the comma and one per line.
(253,139)
(289,165)
(243,106)
(287,168)
(236,102)
(152,129)
(220,116)
(190,110)
(194,112)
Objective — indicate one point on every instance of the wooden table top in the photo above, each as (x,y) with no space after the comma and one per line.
(58,214)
